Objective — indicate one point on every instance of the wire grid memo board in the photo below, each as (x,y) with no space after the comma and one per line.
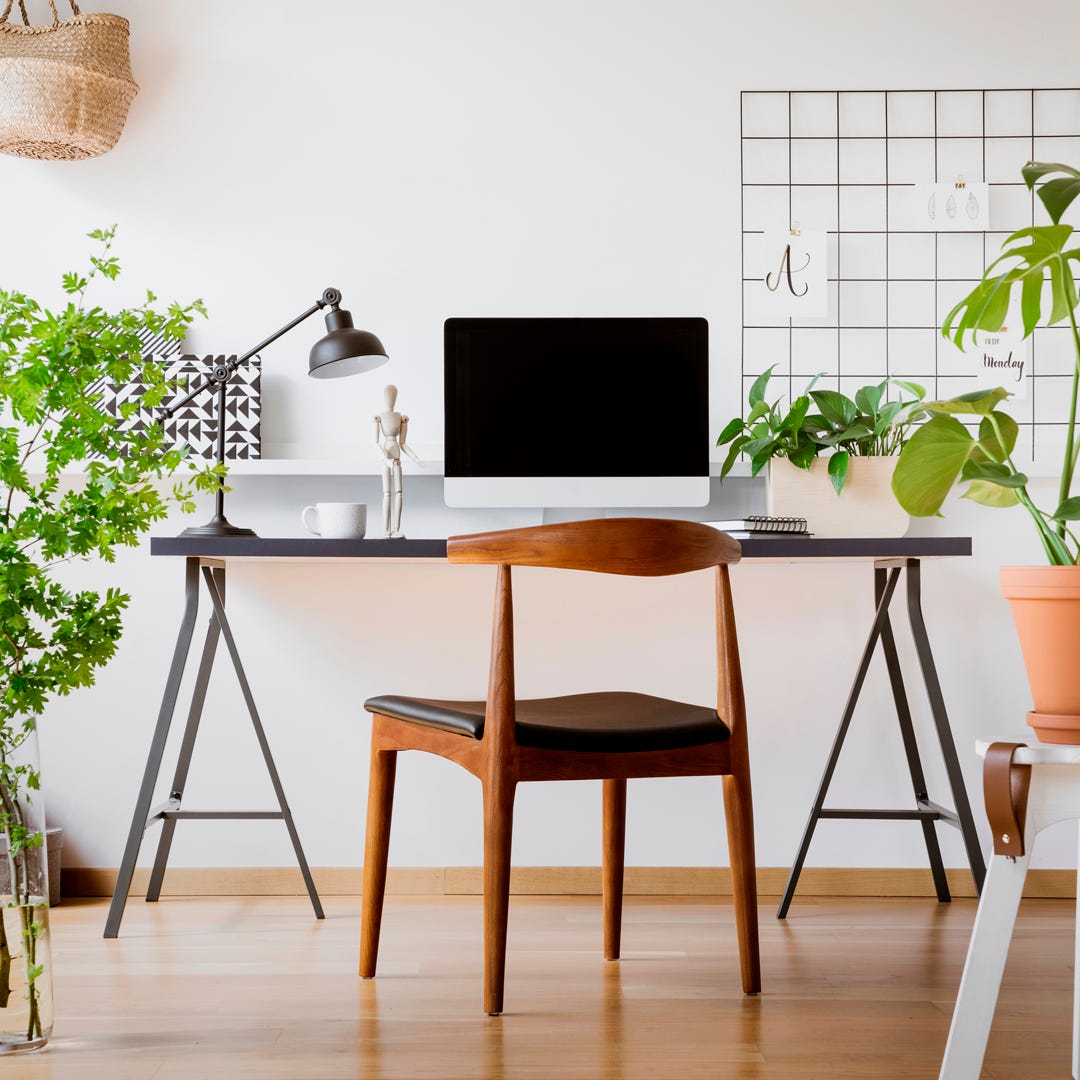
(846,162)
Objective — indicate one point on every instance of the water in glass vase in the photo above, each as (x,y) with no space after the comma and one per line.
(26,1005)
(26,999)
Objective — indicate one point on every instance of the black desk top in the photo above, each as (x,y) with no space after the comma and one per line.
(766,547)
(295,547)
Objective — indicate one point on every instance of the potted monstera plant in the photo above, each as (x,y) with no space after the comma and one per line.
(1036,267)
(54,366)
(828,458)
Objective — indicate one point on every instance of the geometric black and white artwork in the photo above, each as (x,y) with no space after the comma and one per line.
(195,425)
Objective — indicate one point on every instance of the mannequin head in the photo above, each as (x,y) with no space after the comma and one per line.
(390,396)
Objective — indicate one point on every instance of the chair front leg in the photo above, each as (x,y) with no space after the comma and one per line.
(979,985)
(614,858)
(498,833)
(739,810)
(376,850)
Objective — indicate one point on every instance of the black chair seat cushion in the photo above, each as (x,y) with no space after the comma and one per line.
(604,723)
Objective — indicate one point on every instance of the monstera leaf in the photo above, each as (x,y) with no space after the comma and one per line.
(1030,258)
(1058,194)
(943,451)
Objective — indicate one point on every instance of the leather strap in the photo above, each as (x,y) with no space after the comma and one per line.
(1005,789)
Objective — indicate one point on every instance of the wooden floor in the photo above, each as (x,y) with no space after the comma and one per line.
(256,989)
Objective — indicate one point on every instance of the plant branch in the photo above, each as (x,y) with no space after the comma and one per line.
(1069,463)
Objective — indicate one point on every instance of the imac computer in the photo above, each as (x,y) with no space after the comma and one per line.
(577,412)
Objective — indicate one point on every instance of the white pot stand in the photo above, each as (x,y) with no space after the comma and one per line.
(1053,796)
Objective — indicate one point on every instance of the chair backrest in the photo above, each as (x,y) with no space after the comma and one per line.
(642,547)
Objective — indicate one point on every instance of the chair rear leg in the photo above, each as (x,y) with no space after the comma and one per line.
(498,834)
(376,849)
(614,857)
(739,810)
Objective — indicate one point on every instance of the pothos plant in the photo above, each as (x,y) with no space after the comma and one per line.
(1037,265)
(54,368)
(871,425)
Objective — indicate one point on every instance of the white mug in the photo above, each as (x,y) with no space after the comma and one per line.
(339,521)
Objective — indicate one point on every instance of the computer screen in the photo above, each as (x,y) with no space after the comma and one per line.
(576,412)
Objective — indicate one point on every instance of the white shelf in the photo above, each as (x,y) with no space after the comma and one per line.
(324,467)
(347,467)
(270,467)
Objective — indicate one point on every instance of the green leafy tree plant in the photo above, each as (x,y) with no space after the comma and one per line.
(1038,265)
(871,425)
(54,367)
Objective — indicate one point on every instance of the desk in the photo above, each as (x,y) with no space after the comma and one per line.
(207,558)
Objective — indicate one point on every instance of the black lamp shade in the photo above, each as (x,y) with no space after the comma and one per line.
(344,350)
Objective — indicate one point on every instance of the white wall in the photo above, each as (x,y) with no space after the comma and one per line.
(435,159)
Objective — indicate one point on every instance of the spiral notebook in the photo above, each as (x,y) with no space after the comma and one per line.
(760,525)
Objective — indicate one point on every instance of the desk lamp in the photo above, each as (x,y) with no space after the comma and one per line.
(343,351)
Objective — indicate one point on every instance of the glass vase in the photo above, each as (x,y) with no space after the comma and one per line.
(26,1000)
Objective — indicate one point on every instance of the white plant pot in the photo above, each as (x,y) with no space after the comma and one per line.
(866,506)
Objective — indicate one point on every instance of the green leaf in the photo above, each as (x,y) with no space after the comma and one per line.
(733,454)
(838,468)
(854,433)
(1030,257)
(1069,510)
(930,464)
(758,463)
(912,388)
(993,473)
(975,403)
(733,428)
(795,417)
(802,456)
(757,412)
(835,407)
(988,494)
(997,449)
(757,391)
(1057,194)
(762,444)
(868,399)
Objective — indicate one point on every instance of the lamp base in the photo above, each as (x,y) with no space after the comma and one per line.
(218,526)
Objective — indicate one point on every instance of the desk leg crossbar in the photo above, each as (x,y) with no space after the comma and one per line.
(169,812)
(926,812)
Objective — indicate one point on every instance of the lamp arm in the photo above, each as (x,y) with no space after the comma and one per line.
(330,298)
(317,306)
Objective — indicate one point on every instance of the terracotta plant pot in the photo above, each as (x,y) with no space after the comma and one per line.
(1045,603)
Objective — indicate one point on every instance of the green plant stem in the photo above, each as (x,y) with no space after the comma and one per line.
(1053,542)
(20,890)
(1069,463)
(20,880)
(29,936)
(5,963)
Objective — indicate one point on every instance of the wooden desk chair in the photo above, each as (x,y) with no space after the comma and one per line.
(607,736)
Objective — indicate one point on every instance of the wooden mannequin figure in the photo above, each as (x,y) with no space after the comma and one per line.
(390,430)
